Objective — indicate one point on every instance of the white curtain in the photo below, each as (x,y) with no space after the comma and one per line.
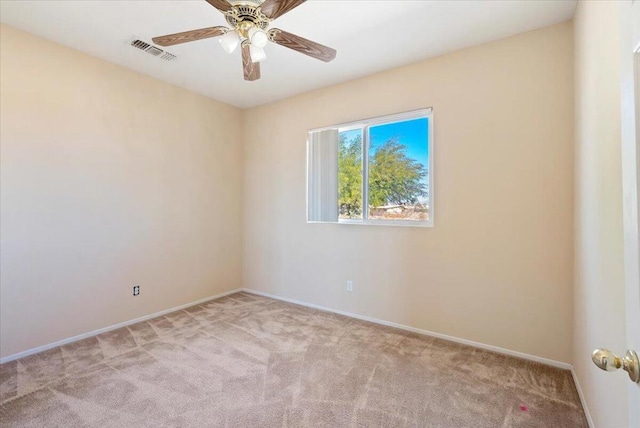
(322,194)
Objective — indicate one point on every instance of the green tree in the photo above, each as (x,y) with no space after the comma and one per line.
(394,178)
(350,176)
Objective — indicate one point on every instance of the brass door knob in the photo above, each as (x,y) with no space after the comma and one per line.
(610,362)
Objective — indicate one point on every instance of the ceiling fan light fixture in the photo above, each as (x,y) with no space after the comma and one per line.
(258,37)
(229,41)
(257,53)
(248,26)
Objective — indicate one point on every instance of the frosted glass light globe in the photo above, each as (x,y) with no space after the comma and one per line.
(258,37)
(257,54)
(229,41)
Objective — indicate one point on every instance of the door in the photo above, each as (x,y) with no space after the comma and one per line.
(630,78)
(630,150)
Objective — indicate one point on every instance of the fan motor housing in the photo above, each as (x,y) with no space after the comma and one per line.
(243,12)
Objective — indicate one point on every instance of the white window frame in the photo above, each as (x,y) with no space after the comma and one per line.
(365,124)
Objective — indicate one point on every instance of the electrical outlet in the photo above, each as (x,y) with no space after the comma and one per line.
(349,285)
(136,290)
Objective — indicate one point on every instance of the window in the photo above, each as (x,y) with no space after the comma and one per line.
(375,171)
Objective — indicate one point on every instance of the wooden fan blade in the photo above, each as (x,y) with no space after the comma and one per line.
(251,69)
(189,36)
(275,8)
(221,5)
(302,45)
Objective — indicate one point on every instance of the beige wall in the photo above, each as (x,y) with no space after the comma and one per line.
(497,266)
(109,178)
(599,279)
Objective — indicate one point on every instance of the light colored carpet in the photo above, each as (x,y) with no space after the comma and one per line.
(249,361)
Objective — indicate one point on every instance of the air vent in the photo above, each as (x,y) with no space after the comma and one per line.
(150,49)
(140,44)
(153,51)
(168,56)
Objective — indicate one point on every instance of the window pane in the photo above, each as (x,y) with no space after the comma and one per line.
(350,174)
(399,171)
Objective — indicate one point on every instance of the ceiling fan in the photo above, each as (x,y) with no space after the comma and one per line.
(249,20)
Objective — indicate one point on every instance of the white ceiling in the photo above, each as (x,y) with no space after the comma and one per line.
(370,36)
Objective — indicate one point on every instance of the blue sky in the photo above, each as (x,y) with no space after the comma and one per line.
(410,133)
(350,135)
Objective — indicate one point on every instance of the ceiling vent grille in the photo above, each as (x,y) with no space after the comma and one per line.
(168,56)
(150,49)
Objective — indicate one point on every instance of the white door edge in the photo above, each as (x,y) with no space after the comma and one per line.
(630,150)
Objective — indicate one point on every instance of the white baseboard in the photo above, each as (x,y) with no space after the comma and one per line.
(582,399)
(542,360)
(110,328)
